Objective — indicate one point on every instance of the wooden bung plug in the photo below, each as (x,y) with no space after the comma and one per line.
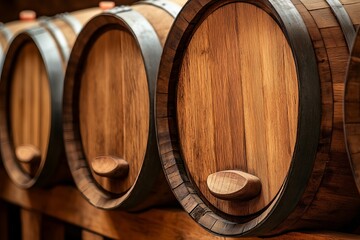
(28,154)
(29,157)
(27,15)
(110,166)
(105,5)
(233,185)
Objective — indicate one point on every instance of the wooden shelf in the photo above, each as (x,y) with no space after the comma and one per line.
(66,203)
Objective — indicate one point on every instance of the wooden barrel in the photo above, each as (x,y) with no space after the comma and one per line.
(9,30)
(108,121)
(249,115)
(352,109)
(31,99)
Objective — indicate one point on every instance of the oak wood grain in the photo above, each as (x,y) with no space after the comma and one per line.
(113,105)
(240,114)
(189,105)
(108,99)
(29,102)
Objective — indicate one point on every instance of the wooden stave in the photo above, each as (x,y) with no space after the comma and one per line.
(53,169)
(150,186)
(350,100)
(175,167)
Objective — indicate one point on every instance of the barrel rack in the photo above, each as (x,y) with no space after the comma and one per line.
(63,206)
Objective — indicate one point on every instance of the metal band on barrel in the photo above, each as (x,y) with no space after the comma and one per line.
(6,32)
(151,50)
(50,55)
(71,21)
(121,17)
(344,21)
(58,35)
(118,9)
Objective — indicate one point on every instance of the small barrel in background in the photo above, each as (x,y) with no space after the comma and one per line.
(108,121)
(249,115)
(27,19)
(31,99)
(352,109)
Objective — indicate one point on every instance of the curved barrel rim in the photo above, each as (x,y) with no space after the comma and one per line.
(289,19)
(147,40)
(52,60)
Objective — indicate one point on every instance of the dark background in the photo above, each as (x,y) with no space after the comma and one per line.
(9,9)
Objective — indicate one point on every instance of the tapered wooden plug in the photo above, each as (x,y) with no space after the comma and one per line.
(105,5)
(233,185)
(110,167)
(27,15)
(28,154)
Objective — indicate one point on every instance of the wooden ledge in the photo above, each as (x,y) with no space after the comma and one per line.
(66,203)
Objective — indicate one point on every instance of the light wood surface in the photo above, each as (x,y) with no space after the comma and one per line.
(160,20)
(30,102)
(233,116)
(241,114)
(228,101)
(14,28)
(66,204)
(233,185)
(82,16)
(114,105)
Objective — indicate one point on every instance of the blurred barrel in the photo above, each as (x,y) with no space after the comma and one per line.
(249,115)
(31,99)
(27,19)
(352,109)
(108,107)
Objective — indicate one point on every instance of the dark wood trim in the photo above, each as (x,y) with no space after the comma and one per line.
(352,107)
(344,21)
